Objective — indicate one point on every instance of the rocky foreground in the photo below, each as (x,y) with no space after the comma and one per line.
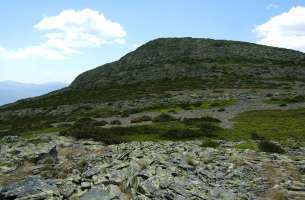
(56,167)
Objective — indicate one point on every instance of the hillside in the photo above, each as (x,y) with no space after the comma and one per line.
(176,64)
(205,59)
(175,119)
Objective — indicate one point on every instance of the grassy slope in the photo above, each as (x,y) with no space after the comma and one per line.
(272,124)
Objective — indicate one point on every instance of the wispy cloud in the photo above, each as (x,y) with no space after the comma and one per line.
(272,6)
(68,33)
(285,30)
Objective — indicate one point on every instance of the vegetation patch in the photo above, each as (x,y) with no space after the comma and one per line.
(270,147)
(209,143)
(247,145)
(278,125)
(164,118)
(287,100)
(140,119)
(33,134)
(163,130)
(218,103)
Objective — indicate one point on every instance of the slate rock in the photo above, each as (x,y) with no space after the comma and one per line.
(31,186)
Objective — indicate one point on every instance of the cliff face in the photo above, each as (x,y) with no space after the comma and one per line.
(176,58)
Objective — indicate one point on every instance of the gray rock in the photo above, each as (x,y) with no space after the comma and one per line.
(150,186)
(31,186)
(48,157)
(10,139)
(91,172)
(67,189)
(85,185)
(98,194)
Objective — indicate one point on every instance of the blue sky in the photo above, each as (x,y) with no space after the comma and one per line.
(37,42)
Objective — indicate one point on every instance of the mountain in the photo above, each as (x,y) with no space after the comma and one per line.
(204,59)
(175,64)
(11,91)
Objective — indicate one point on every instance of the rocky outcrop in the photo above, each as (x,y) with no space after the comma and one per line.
(32,187)
(148,170)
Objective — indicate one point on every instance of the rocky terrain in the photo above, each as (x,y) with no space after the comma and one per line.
(178,118)
(58,167)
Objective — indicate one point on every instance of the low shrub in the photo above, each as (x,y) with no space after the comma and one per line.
(64,125)
(209,143)
(297,99)
(247,145)
(186,106)
(85,121)
(164,118)
(141,119)
(255,136)
(179,134)
(208,129)
(215,104)
(98,134)
(269,95)
(116,122)
(100,123)
(201,119)
(270,147)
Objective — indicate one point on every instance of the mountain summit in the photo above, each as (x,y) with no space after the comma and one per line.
(204,59)
(176,64)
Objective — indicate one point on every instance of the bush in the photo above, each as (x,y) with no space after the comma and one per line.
(141,119)
(255,136)
(270,147)
(179,134)
(64,125)
(185,106)
(208,129)
(100,123)
(209,143)
(297,99)
(84,121)
(215,104)
(164,118)
(98,134)
(197,104)
(269,95)
(115,122)
(201,119)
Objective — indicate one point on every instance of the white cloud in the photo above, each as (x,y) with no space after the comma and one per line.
(285,30)
(272,6)
(68,33)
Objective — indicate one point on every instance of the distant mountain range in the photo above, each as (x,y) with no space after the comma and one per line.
(11,91)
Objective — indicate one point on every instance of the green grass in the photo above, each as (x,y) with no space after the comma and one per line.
(193,106)
(271,125)
(169,130)
(287,100)
(247,145)
(33,134)
(164,109)
(276,125)
(218,103)
(209,143)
